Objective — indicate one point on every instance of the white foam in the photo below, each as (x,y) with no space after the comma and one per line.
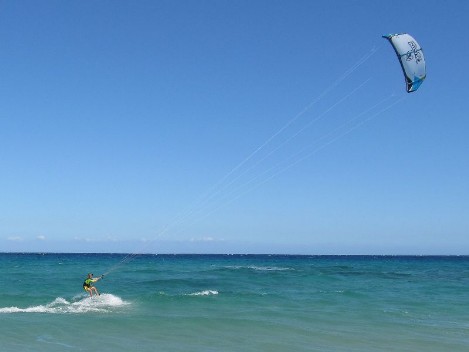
(269,268)
(260,268)
(204,293)
(104,303)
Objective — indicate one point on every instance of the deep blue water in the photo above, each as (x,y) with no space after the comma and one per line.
(234,303)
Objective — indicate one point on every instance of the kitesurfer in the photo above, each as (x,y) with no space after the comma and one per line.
(88,284)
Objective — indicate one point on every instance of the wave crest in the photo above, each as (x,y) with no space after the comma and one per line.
(259,268)
(204,293)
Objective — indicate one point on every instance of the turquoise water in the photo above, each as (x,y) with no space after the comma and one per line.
(234,303)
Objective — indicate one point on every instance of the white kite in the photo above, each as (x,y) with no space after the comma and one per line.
(410,55)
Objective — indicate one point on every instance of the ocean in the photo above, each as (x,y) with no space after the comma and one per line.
(234,303)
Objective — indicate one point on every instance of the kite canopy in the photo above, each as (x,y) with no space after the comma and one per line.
(410,55)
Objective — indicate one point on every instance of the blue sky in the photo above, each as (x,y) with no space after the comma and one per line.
(230,127)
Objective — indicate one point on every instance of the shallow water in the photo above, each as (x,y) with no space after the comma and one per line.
(234,303)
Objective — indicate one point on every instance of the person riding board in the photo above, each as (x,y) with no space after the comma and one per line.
(88,284)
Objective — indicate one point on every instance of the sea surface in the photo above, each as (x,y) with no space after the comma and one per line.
(234,303)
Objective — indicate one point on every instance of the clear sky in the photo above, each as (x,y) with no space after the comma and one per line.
(232,127)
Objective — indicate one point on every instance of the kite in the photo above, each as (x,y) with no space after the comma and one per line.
(410,55)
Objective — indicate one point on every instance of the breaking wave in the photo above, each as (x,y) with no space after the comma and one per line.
(204,293)
(259,268)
